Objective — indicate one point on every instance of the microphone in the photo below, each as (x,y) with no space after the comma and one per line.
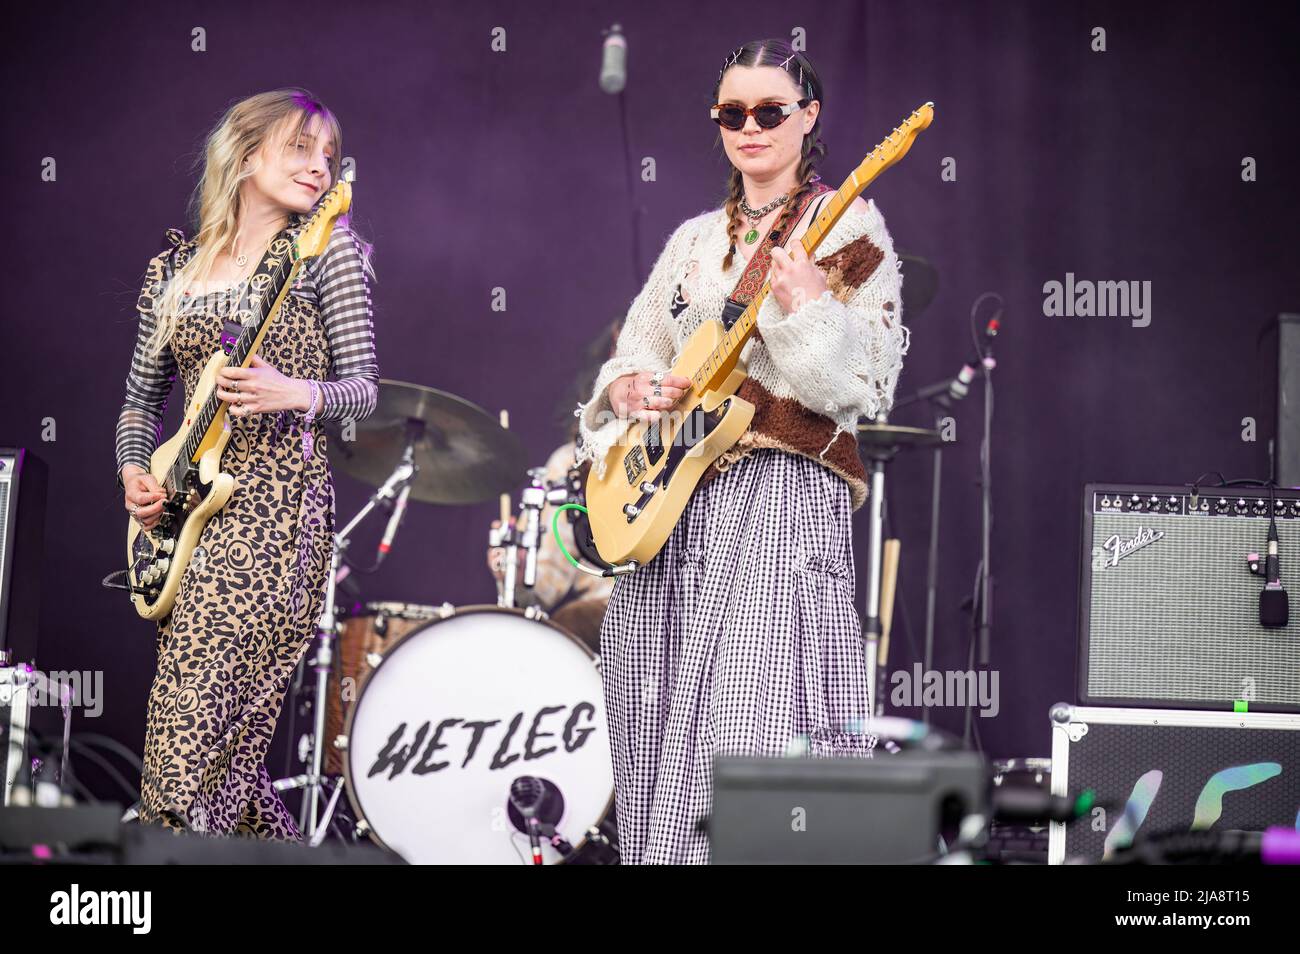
(394,521)
(1274,611)
(613,61)
(526,793)
(959,386)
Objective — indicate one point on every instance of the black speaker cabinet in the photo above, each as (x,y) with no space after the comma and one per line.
(1162,771)
(23,478)
(1287,445)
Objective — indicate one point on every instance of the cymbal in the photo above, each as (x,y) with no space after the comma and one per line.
(464,455)
(920,284)
(897,436)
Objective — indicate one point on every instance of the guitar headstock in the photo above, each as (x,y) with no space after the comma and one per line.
(895,146)
(315,234)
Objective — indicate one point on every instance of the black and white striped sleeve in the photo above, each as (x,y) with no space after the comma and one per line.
(139,425)
(343,293)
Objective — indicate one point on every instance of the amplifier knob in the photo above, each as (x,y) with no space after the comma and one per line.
(1295,507)
(1171,504)
(1279,506)
(1240,505)
(1260,507)
(163,564)
(168,545)
(1135,502)
(1221,506)
(1153,503)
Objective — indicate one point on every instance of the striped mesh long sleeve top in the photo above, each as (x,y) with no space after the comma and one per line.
(336,280)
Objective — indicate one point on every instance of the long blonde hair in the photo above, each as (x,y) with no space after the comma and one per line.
(215,202)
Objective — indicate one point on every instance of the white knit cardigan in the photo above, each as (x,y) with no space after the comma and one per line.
(838,355)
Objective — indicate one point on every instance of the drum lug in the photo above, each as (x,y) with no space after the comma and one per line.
(363,827)
(446,610)
(341,742)
(374,659)
(535,612)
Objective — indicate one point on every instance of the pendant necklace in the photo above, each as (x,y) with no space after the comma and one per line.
(756,215)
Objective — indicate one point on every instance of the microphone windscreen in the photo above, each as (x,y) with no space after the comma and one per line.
(1274,611)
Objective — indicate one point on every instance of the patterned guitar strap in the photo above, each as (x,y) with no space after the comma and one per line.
(230,329)
(755,273)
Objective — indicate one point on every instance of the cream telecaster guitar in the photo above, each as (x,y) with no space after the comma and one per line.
(650,476)
(188,467)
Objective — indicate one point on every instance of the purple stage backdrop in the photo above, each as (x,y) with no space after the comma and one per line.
(481,169)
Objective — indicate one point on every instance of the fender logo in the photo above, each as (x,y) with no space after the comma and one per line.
(1118,548)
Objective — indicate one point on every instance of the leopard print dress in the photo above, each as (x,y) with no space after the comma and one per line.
(249,600)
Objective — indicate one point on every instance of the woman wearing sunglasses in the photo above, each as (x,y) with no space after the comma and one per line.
(741,635)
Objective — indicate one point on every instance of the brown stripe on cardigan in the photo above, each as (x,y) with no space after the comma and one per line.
(785,424)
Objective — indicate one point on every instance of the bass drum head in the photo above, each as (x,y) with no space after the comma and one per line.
(456,711)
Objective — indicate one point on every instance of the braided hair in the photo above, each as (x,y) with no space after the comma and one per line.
(776,53)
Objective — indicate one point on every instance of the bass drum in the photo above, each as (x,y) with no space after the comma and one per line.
(364,638)
(457,710)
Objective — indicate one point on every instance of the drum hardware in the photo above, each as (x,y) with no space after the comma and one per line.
(525,531)
(360,648)
(880,442)
(392,491)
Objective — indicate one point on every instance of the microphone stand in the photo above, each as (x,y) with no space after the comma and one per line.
(941,395)
(313,782)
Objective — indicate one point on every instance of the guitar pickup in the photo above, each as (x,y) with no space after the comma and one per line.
(634,463)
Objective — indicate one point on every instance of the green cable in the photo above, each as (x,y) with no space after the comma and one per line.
(555,530)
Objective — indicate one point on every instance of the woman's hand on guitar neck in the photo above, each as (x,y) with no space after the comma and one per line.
(634,394)
(144,498)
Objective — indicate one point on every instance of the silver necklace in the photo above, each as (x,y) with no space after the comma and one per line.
(756,215)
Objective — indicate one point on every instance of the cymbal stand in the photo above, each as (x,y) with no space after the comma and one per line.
(878,456)
(313,782)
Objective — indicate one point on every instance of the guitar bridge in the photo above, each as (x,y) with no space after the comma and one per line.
(634,463)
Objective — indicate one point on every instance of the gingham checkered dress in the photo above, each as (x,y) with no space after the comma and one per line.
(738,637)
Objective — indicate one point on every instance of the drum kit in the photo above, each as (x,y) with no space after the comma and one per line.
(459,734)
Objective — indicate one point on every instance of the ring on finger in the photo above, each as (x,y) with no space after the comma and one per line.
(235,387)
(657,378)
(135,508)
(659,391)
(645,400)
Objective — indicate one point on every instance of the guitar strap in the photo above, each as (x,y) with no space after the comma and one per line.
(230,330)
(755,274)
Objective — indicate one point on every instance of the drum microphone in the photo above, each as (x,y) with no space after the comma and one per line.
(394,521)
(526,793)
(613,61)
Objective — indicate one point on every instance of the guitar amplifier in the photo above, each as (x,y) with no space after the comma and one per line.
(22,532)
(1169,604)
(1161,771)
